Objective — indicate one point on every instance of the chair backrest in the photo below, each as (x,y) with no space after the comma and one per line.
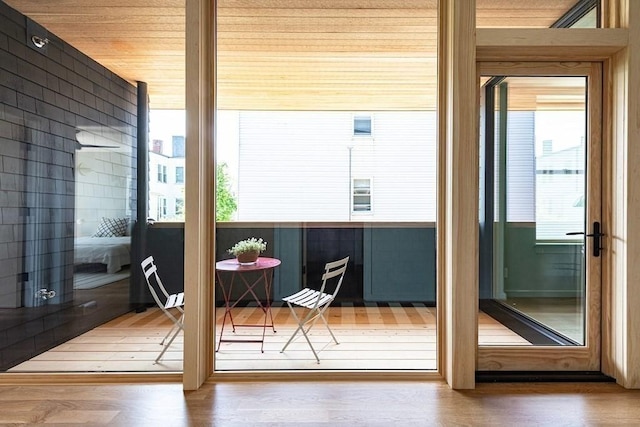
(149,268)
(332,270)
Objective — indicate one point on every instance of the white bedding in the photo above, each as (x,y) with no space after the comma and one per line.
(115,252)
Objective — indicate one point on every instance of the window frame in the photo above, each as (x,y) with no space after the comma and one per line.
(181,181)
(162,207)
(162,173)
(179,202)
(354,195)
(362,136)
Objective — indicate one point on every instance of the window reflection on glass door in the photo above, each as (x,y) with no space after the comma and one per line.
(538,157)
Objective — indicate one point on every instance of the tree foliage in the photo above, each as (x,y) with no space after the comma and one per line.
(225,199)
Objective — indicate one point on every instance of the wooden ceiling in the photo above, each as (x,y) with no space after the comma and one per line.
(280,54)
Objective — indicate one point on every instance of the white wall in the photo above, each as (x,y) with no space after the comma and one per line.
(169,190)
(294,166)
(103,185)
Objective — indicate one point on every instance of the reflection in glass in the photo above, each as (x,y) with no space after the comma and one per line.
(538,14)
(538,284)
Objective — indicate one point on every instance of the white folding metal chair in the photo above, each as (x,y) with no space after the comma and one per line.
(316,302)
(165,301)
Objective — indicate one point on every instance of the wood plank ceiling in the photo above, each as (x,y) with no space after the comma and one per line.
(351,55)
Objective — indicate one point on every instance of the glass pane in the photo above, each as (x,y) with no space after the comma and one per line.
(589,20)
(326,124)
(537,287)
(167,157)
(362,126)
(538,14)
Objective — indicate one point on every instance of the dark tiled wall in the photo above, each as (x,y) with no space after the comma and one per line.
(45,97)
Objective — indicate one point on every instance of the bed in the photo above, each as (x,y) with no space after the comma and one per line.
(114,252)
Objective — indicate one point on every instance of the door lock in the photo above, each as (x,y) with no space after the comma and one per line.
(597,237)
(45,294)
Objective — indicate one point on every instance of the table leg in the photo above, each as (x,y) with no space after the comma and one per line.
(227,306)
(267,278)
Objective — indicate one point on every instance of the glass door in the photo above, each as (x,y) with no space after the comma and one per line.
(541,231)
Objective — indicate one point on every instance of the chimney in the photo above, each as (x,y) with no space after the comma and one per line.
(156,147)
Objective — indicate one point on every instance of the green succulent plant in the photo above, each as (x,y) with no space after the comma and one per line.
(248,245)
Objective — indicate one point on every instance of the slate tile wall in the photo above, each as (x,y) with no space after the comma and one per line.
(45,98)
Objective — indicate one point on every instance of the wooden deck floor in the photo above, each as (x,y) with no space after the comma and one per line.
(371,338)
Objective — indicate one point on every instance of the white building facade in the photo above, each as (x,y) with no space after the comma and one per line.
(166,180)
(335,166)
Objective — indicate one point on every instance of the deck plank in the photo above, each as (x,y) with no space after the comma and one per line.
(371,337)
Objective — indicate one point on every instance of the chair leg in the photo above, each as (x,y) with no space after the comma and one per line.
(167,345)
(328,328)
(304,332)
(295,316)
(310,345)
(173,318)
(176,328)
(167,336)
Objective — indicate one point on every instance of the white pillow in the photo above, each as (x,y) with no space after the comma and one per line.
(112,227)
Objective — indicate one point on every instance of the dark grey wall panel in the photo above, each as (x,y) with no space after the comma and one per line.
(46,96)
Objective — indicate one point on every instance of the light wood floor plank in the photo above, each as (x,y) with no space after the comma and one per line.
(384,338)
(334,403)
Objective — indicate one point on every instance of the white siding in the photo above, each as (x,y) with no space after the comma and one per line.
(294,166)
(521,166)
(403,163)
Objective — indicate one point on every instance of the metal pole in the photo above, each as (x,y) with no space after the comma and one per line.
(138,290)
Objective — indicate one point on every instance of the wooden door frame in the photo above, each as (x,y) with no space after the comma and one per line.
(618,47)
(558,358)
(199,193)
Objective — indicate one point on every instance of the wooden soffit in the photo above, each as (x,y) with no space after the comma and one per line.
(280,54)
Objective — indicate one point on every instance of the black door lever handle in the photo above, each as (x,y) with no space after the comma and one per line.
(597,237)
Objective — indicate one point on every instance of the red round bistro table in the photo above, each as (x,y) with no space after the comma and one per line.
(231,273)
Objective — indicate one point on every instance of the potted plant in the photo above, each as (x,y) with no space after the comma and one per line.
(247,251)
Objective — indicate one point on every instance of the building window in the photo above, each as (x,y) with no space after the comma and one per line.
(179,174)
(162,173)
(361,195)
(179,207)
(362,125)
(177,144)
(162,207)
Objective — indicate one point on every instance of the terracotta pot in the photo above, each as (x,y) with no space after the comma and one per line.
(248,257)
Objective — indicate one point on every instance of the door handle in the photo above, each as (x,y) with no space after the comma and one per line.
(597,237)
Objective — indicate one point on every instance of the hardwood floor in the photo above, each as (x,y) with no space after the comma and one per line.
(322,403)
(371,338)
